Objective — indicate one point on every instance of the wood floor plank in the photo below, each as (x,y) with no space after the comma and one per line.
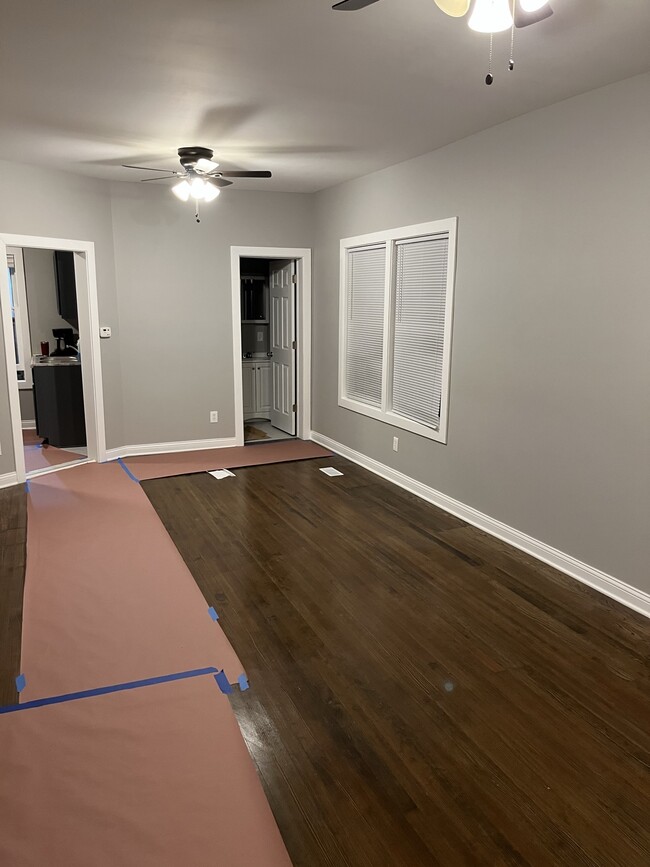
(421,693)
(13,527)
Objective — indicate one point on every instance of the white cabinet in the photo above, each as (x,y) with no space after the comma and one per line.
(256,377)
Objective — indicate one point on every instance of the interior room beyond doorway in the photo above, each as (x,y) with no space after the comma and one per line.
(268,341)
(45,326)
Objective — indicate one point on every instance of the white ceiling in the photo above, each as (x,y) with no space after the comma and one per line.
(314,95)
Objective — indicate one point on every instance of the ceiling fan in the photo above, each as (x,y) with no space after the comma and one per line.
(488,16)
(200,177)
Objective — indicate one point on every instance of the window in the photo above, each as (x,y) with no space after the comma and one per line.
(19,317)
(395,326)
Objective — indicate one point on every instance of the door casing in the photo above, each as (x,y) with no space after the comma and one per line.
(303,258)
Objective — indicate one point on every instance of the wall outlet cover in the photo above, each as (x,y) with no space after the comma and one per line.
(214,416)
(395,444)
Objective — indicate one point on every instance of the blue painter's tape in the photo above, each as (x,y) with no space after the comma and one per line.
(128,471)
(213,614)
(27,486)
(104,690)
(21,682)
(242,680)
(222,682)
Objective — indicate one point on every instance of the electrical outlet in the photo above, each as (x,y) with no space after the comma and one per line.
(395,444)
(214,416)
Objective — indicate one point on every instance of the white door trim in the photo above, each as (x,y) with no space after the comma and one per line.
(89,340)
(302,255)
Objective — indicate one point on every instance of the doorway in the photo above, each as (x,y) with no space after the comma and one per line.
(45,320)
(271,295)
(51,333)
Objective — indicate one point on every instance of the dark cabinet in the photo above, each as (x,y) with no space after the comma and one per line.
(59,404)
(66,286)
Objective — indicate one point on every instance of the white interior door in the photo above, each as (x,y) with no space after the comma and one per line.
(283,344)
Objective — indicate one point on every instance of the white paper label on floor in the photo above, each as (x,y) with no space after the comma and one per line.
(221,474)
(330,471)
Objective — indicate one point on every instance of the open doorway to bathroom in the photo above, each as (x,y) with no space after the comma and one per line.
(268,340)
(271,320)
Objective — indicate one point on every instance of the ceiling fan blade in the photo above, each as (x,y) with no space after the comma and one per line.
(246,174)
(145,168)
(455,8)
(352,5)
(524,19)
(218,182)
(164,178)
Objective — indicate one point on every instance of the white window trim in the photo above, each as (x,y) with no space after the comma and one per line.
(389,238)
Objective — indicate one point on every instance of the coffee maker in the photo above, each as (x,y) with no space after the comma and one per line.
(66,342)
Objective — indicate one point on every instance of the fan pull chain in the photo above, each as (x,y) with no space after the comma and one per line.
(511,62)
(489,78)
(196,211)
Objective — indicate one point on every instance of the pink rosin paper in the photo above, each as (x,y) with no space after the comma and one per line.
(108,598)
(181,463)
(154,777)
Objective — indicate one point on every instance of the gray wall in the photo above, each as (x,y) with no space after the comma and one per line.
(164,288)
(27,412)
(60,205)
(550,392)
(40,285)
(174,291)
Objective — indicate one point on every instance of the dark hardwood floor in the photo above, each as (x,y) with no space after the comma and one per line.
(421,693)
(13,524)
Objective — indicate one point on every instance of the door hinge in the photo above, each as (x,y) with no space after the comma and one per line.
(293,344)
(294,278)
(294,408)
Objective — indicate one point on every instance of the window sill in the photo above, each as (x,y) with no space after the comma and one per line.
(394,420)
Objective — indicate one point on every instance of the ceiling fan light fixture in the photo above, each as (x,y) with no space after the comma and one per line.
(204,165)
(182,190)
(532,5)
(197,188)
(491,16)
(211,192)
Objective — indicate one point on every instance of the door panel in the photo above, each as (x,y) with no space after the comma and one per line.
(283,334)
(263,389)
(248,379)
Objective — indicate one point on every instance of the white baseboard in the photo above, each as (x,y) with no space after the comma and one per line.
(167,448)
(607,584)
(8,479)
(28,424)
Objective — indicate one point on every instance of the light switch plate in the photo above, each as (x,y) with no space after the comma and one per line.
(105,331)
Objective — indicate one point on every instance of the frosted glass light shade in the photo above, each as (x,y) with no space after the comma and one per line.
(491,16)
(455,8)
(211,192)
(182,191)
(532,5)
(197,188)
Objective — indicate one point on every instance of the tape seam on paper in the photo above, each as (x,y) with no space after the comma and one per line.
(128,471)
(222,682)
(104,690)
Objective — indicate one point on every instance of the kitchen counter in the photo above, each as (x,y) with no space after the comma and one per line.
(55,361)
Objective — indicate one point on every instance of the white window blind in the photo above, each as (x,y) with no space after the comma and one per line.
(419,303)
(365,291)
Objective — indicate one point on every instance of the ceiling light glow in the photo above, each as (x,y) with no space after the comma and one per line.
(211,192)
(491,16)
(532,5)
(181,191)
